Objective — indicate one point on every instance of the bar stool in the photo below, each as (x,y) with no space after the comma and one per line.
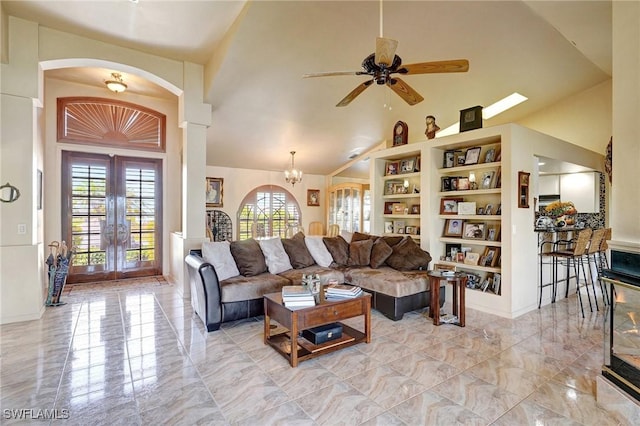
(592,255)
(574,257)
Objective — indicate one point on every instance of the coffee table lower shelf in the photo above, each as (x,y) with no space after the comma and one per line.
(281,342)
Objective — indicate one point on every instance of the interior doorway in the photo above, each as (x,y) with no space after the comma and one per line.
(112,216)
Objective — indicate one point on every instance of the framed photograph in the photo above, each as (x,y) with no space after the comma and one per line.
(411,230)
(39,189)
(497,280)
(463,184)
(449,157)
(398,226)
(388,207)
(392,168)
(453,227)
(313,197)
(452,248)
(523,190)
(460,156)
(415,209)
(399,208)
(472,156)
(499,210)
(490,155)
(388,227)
(488,209)
(472,258)
(449,205)
(493,232)
(392,186)
(214,192)
(446,184)
(408,165)
(487,179)
(491,256)
(474,231)
(454,183)
(471,118)
(399,188)
(467,208)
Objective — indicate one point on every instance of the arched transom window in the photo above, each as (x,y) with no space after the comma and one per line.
(267,211)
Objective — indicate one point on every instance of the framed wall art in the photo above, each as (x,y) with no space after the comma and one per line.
(214,192)
(313,197)
(472,156)
(471,118)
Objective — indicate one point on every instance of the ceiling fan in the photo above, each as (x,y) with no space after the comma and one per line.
(384,62)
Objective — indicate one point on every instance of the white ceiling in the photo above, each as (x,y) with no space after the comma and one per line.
(263,108)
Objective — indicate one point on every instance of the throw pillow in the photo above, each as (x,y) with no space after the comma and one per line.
(249,257)
(346,235)
(380,252)
(407,256)
(274,255)
(392,241)
(360,252)
(359,236)
(297,250)
(338,248)
(318,251)
(219,255)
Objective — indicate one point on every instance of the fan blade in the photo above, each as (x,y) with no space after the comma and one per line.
(332,73)
(355,92)
(385,51)
(455,65)
(405,91)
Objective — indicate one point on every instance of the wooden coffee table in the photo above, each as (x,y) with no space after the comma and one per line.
(325,312)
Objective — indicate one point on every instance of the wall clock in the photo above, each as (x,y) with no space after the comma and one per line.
(400,133)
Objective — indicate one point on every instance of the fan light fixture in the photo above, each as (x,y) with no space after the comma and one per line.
(293,175)
(116,84)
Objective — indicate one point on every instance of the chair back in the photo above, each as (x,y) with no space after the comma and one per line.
(257,230)
(334,230)
(316,228)
(582,242)
(604,246)
(293,230)
(596,241)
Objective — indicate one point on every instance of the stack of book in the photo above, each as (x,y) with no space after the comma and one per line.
(342,291)
(297,296)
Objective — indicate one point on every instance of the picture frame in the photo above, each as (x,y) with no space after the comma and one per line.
(471,258)
(39,182)
(467,208)
(488,209)
(400,133)
(497,280)
(388,227)
(388,207)
(399,188)
(392,168)
(453,227)
(408,165)
(398,208)
(391,186)
(523,190)
(493,232)
(449,205)
(448,161)
(459,158)
(471,118)
(487,179)
(411,230)
(214,192)
(472,156)
(490,155)
(452,247)
(313,197)
(474,230)
(491,256)
(398,226)
(415,209)
(499,210)
(446,184)
(463,184)
(453,181)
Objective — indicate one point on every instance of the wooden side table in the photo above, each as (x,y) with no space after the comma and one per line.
(459,282)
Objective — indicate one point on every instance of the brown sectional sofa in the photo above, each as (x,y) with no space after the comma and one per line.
(392,269)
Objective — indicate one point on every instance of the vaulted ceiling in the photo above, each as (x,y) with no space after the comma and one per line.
(255,54)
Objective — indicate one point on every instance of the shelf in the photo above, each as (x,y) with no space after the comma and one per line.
(389,234)
(471,242)
(470,267)
(400,196)
(448,170)
(470,216)
(401,176)
(401,216)
(468,192)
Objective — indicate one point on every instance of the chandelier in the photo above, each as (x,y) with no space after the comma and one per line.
(116,84)
(293,175)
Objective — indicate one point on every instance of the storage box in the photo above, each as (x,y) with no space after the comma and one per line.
(323,333)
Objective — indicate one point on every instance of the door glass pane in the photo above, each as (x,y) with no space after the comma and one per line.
(140,207)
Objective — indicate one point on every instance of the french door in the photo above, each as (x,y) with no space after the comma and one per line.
(112,215)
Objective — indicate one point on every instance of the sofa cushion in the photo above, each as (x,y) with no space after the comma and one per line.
(388,281)
(274,255)
(326,274)
(219,255)
(241,288)
(380,252)
(318,250)
(346,235)
(359,236)
(249,257)
(392,241)
(297,251)
(407,255)
(360,252)
(338,248)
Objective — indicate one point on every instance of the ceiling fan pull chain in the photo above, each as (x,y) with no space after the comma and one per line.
(380,18)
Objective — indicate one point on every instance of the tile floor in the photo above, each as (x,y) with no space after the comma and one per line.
(134,353)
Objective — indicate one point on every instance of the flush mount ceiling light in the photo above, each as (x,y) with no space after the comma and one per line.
(293,175)
(116,84)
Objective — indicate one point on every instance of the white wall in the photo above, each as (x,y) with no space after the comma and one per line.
(239,182)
